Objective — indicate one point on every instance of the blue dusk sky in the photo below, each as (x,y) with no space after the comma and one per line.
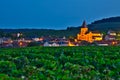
(54,14)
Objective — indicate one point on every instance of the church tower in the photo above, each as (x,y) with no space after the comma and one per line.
(84,28)
(84,35)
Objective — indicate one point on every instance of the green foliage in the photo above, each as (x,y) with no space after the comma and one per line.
(60,63)
(21,62)
(7,67)
(6,77)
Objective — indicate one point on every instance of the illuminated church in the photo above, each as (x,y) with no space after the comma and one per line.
(85,35)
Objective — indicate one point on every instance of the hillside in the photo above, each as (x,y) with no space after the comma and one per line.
(103,25)
(106,24)
(40,32)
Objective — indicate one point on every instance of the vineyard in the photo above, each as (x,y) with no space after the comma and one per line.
(60,63)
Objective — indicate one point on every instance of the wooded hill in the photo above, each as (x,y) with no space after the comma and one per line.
(103,25)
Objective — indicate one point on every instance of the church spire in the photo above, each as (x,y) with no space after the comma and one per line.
(84,24)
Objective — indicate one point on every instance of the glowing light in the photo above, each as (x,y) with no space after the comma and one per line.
(41,39)
(75,40)
(20,43)
(70,44)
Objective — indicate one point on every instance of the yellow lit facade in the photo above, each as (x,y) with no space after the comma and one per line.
(70,44)
(84,35)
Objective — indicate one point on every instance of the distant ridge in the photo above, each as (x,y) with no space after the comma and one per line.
(106,24)
(103,25)
(105,20)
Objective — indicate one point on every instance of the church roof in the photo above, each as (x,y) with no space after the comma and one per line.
(84,25)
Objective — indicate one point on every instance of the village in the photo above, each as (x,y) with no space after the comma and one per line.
(83,38)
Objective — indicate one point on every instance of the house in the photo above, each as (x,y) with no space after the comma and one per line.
(50,44)
(64,43)
(19,44)
(54,44)
(22,44)
(109,37)
(28,40)
(112,33)
(46,44)
(102,43)
(7,45)
(85,35)
(1,40)
(7,40)
(107,43)
(35,39)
